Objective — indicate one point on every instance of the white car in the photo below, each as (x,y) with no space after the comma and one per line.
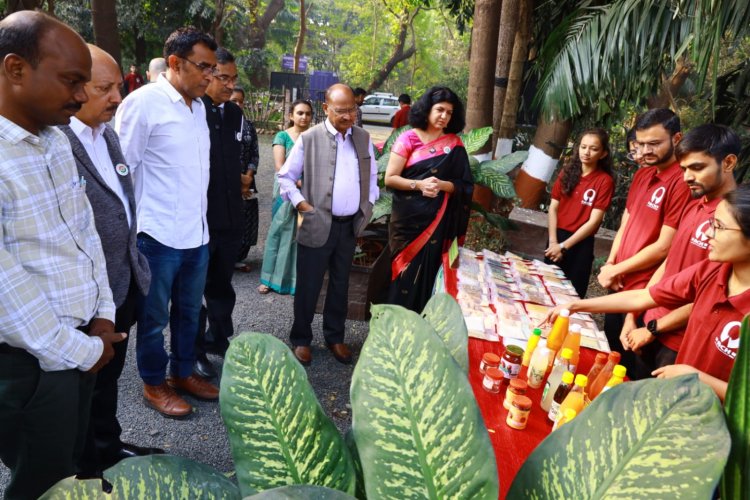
(379,107)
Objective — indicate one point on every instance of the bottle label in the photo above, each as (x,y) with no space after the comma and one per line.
(510,370)
(536,376)
(546,390)
(554,410)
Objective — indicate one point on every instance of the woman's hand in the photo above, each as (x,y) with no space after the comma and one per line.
(671,371)
(430,187)
(552,314)
(638,338)
(554,252)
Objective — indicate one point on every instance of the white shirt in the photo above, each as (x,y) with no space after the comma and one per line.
(167,146)
(96,147)
(345,197)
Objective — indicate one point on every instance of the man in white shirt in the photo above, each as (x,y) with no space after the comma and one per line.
(109,188)
(165,139)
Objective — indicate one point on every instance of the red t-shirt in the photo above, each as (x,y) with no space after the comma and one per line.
(133,81)
(655,199)
(593,191)
(401,118)
(689,246)
(712,335)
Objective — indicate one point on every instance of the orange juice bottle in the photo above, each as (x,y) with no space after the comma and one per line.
(618,376)
(569,415)
(575,398)
(599,362)
(601,380)
(573,342)
(558,333)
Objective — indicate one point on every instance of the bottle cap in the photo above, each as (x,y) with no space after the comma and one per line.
(575,329)
(567,377)
(619,371)
(567,353)
(491,358)
(581,380)
(614,357)
(537,332)
(518,384)
(494,373)
(522,402)
(565,313)
(570,414)
(601,358)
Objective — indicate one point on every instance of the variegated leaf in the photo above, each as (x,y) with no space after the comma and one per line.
(500,184)
(506,163)
(300,492)
(444,314)
(649,439)
(278,432)
(474,139)
(168,477)
(418,429)
(74,489)
(383,206)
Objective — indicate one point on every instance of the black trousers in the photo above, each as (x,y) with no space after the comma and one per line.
(43,421)
(653,356)
(103,436)
(335,256)
(576,262)
(223,248)
(613,323)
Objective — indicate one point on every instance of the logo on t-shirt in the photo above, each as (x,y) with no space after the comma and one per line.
(656,198)
(588,197)
(700,238)
(728,341)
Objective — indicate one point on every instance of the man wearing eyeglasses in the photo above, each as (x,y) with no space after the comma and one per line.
(656,201)
(224,212)
(336,163)
(165,139)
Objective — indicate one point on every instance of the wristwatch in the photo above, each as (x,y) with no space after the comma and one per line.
(562,247)
(651,327)
(413,185)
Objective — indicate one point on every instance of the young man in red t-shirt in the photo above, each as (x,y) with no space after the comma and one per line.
(653,210)
(401,118)
(133,80)
(708,156)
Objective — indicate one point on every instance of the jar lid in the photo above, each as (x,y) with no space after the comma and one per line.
(491,358)
(515,350)
(518,384)
(494,373)
(522,402)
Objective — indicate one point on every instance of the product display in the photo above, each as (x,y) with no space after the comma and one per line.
(518,415)
(515,388)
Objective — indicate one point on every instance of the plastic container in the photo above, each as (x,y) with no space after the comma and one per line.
(569,415)
(618,376)
(516,387)
(604,376)
(562,365)
(489,360)
(573,342)
(493,378)
(563,388)
(538,367)
(536,335)
(558,332)
(576,397)
(518,416)
(599,362)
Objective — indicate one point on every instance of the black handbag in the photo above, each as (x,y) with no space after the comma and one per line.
(250,226)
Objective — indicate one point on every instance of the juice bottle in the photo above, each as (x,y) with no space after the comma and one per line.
(533,341)
(538,366)
(562,365)
(563,388)
(599,362)
(618,375)
(575,398)
(569,415)
(603,377)
(558,332)
(573,342)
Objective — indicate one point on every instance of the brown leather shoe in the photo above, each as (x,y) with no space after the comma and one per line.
(303,354)
(195,385)
(163,399)
(341,353)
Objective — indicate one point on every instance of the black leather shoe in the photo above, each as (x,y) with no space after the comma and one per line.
(130,450)
(204,368)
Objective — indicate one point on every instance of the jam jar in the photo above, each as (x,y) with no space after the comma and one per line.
(510,364)
(516,387)
(489,360)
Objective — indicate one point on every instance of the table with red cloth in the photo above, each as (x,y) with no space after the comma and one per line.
(511,446)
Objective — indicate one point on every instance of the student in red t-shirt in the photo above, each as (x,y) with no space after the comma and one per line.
(580,197)
(708,156)
(718,287)
(655,203)
(401,118)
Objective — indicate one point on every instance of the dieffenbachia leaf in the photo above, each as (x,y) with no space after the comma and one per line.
(444,314)
(383,206)
(474,139)
(416,423)
(300,492)
(648,439)
(278,431)
(71,488)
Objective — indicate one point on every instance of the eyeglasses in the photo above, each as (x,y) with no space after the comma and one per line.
(716,226)
(206,69)
(341,112)
(644,147)
(226,78)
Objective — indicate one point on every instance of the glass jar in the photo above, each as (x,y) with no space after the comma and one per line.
(516,387)
(518,415)
(510,364)
(489,360)
(493,377)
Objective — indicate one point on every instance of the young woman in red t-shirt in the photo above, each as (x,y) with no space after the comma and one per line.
(719,289)
(580,197)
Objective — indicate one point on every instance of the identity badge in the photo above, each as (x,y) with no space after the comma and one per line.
(122,169)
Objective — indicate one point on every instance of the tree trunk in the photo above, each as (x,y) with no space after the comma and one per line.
(301,38)
(506,37)
(217,25)
(140,47)
(256,36)
(515,78)
(398,54)
(550,139)
(482,64)
(106,33)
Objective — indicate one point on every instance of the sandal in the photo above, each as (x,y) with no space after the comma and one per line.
(263,289)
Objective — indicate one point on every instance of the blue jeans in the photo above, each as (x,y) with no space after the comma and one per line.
(179,276)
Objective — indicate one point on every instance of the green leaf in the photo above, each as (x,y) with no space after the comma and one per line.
(648,439)
(391,139)
(167,477)
(352,445)
(383,162)
(415,420)
(496,220)
(444,314)
(277,430)
(736,481)
(505,164)
(300,492)
(500,184)
(383,205)
(71,488)
(474,139)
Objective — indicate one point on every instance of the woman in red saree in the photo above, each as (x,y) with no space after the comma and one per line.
(429,175)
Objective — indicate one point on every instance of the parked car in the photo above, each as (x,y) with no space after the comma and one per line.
(379,107)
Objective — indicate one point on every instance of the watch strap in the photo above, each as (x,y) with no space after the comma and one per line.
(651,327)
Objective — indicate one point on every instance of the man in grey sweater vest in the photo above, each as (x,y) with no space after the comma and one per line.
(336,162)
